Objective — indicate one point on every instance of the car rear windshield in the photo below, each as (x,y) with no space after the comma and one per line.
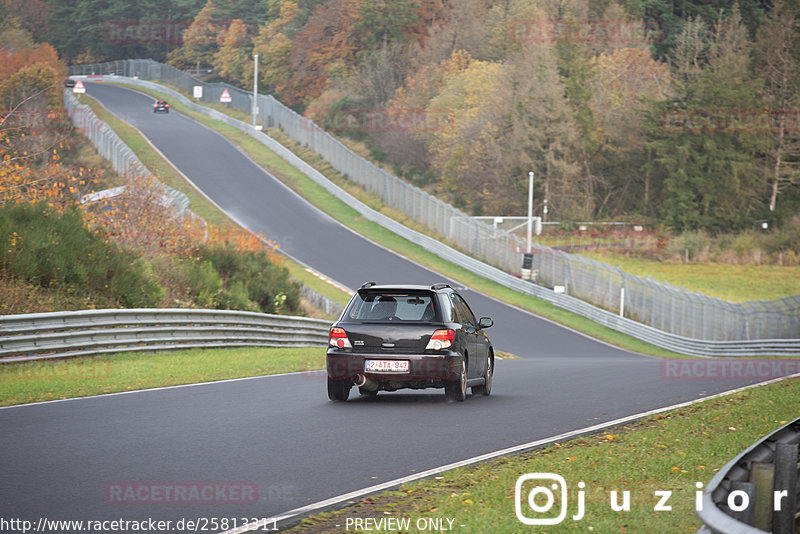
(380,306)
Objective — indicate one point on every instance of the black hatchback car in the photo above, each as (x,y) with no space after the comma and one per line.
(160,106)
(391,337)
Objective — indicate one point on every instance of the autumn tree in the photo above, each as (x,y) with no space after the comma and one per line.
(324,47)
(274,45)
(459,146)
(233,61)
(33,15)
(201,37)
(624,83)
(540,135)
(461,26)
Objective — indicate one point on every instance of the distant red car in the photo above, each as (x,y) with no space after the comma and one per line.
(161,105)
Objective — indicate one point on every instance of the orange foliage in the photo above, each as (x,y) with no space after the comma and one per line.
(139,219)
(31,168)
(12,61)
(142,219)
(326,41)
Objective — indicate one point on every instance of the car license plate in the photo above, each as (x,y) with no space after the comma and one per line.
(386,366)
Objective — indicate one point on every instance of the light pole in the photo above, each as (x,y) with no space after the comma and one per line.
(255,88)
(530,208)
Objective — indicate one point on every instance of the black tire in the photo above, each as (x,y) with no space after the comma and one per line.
(339,390)
(456,390)
(367,392)
(486,388)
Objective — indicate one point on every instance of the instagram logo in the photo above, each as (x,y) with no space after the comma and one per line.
(541,499)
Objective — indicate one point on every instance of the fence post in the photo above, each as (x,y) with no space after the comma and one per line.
(785,481)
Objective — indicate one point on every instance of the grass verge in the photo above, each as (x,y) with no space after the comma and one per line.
(734,283)
(46,380)
(668,452)
(317,195)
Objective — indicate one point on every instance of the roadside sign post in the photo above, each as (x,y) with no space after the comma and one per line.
(198,91)
(255,89)
(225,96)
(530,209)
(79,87)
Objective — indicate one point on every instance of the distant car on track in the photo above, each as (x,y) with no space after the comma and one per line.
(409,336)
(160,106)
(69,82)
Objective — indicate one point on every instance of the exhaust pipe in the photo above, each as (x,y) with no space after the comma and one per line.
(364,382)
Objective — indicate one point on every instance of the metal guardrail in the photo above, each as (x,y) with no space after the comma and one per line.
(757,491)
(91,332)
(658,304)
(321,302)
(659,338)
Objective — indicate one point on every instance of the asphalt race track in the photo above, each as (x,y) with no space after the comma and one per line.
(279,436)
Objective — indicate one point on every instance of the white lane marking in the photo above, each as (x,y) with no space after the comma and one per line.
(305,510)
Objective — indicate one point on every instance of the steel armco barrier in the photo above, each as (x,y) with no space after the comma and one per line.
(753,478)
(90,332)
(736,339)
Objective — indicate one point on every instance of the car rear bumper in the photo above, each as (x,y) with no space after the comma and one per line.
(434,367)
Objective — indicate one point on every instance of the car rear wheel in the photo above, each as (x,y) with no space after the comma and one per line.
(456,390)
(486,388)
(339,390)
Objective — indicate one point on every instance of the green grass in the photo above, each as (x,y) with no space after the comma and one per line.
(45,380)
(351,218)
(668,452)
(735,283)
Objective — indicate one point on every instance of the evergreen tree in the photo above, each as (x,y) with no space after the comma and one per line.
(703,149)
(777,60)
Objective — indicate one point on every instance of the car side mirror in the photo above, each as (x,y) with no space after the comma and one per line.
(485,322)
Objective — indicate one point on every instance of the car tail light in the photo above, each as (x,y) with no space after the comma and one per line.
(338,338)
(441,339)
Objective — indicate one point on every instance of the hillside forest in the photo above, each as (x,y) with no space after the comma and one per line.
(681,113)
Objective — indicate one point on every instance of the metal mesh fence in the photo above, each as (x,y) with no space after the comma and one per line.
(658,304)
(111,147)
